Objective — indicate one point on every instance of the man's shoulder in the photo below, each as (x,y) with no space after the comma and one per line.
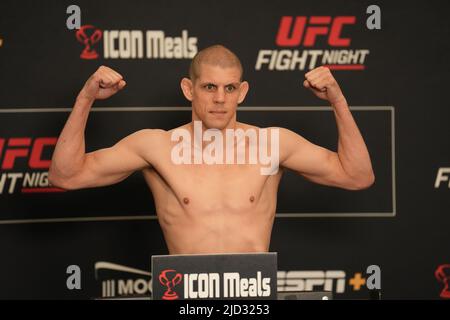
(148,133)
(184,126)
(144,137)
(247,126)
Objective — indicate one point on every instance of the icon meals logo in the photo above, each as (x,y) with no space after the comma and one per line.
(135,44)
(209,285)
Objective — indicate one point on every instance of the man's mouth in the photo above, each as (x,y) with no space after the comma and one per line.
(217,111)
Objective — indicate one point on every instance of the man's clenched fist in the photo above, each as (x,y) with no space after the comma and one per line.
(322,83)
(102,84)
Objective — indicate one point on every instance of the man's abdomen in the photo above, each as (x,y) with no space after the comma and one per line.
(220,232)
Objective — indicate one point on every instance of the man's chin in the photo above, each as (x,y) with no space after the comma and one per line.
(217,125)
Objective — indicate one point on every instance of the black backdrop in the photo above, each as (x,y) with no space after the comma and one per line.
(399,100)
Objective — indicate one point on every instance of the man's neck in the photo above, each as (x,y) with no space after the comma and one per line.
(197,131)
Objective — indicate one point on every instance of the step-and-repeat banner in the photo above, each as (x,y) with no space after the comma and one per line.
(390,61)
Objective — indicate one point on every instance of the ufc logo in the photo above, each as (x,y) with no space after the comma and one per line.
(23,148)
(308,32)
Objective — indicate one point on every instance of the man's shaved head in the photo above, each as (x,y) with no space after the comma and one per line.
(216,55)
(215,88)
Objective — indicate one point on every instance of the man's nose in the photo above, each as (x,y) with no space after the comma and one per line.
(219,96)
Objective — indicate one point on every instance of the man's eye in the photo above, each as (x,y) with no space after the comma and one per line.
(230,88)
(209,86)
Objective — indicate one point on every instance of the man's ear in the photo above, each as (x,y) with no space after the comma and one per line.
(187,86)
(243,89)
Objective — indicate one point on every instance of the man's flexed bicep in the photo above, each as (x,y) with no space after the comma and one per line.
(313,162)
(111,165)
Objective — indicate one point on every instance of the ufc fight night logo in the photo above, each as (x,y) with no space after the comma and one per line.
(308,32)
(16,153)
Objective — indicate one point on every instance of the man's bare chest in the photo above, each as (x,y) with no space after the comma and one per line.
(224,186)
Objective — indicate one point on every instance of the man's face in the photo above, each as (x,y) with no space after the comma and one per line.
(215,95)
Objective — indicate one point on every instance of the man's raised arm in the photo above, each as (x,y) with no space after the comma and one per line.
(71,168)
(350,167)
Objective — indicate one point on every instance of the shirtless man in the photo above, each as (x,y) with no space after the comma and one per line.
(204,208)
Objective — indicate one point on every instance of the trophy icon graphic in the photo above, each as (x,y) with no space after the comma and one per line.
(442,274)
(170,294)
(88,35)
